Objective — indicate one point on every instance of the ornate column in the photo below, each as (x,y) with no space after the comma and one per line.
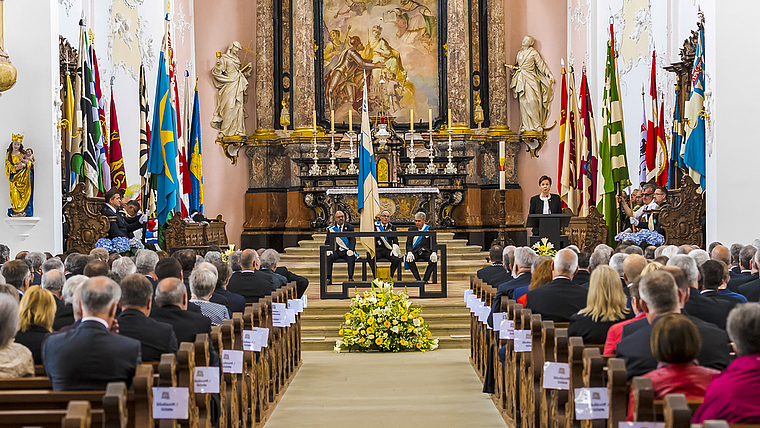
(303,60)
(497,74)
(264,70)
(458,65)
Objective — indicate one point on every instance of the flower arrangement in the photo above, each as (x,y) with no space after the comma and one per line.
(226,255)
(120,244)
(645,236)
(384,321)
(544,248)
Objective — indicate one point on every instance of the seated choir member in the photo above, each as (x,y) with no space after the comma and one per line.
(420,248)
(605,306)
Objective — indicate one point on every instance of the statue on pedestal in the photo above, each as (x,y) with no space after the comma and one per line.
(232,83)
(19,167)
(532,83)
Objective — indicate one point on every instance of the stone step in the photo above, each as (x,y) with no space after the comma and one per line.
(328,344)
(450,249)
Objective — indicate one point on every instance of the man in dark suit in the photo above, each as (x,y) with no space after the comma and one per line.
(560,299)
(136,300)
(145,263)
(748,269)
(235,302)
(524,258)
(494,274)
(345,248)
(659,296)
(419,248)
(186,259)
(35,260)
(16,273)
(734,269)
(268,263)
(89,356)
(583,276)
(250,283)
(171,268)
(386,247)
(302,283)
(171,304)
(706,308)
(120,224)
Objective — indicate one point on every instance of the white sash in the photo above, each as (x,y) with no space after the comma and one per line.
(387,244)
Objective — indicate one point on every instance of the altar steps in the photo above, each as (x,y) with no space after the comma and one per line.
(449,321)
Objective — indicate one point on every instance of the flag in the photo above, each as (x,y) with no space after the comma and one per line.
(614,167)
(184,173)
(196,160)
(562,125)
(590,148)
(570,160)
(93,130)
(652,122)
(368,200)
(694,151)
(676,162)
(163,147)
(662,150)
(147,200)
(643,144)
(118,176)
(76,160)
(101,145)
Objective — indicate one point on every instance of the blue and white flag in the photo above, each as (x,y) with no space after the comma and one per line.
(368,201)
(694,151)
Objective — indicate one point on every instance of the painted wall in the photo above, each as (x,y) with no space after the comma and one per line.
(29,108)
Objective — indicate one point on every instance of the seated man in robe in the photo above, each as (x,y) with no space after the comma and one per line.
(420,248)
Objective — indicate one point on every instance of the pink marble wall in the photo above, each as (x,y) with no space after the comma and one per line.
(217,24)
(546,20)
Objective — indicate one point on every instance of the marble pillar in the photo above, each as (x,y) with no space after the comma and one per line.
(497,73)
(458,73)
(303,65)
(264,69)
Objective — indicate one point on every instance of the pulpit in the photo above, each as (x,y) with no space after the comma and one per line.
(549,226)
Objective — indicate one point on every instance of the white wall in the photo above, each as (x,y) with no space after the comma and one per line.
(28,108)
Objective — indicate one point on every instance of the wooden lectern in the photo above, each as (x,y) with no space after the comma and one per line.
(549,226)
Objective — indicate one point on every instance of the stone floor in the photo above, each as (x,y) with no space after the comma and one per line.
(411,389)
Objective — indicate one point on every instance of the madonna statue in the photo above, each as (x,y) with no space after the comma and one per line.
(19,167)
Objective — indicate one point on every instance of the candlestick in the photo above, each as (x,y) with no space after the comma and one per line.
(351,169)
(411,120)
(449,118)
(350,121)
(314,125)
(412,167)
(502,158)
(431,166)
(315,168)
(332,169)
(430,119)
(332,120)
(450,167)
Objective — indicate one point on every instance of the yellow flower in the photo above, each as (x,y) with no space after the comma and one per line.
(403,342)
(395,322)
(419,345)
(422,320)
(427,333)
(361,340)
(371,321)
(387,324)
(364,332)
(411,328)
(340,332)
(404,318)
(378,341)
(355,332)
(370,330)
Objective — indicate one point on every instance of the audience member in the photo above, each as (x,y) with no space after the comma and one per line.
(722,254)
(15,359)
(734,265)
(88,356)
(700,256)
(53,264)
(598,258)
(632,267)
(649,252)
(634,249)
(75,264)
(34,260)
(558,300)
(217,298)
(171,304)
(145,264)
(604,249)
(9,290)
(605,306)
(124,267)
(54,282)
(748,269)
(170,267)
(203,282)
(661,260)
(213,257)
(675,343)
(36,314)
(16,273)
(495,273)
(5,254)
(269,260)
(732,395)
(21,255)
(112,258)
(660,296)
(234,261)
(540,274)
(71,313)
(616,262)
(96,268)
(750,289)
(99,254)
(524,258)
(302,283)
(186,259)
(250,283)
(715,277)
(584,274)
(669,251)
(708,309)
(235,302)
(155,337)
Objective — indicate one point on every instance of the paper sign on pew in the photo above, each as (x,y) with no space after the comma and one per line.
(498,317)
(232,361)
(296,304)
(305,301)
(523,341)
(591,403)
(207,380)
(556,376)
(251,340)
(470,300)
(290,316)
(467,294)
(170,403)
(279,316)
(641,425)
(263,336)
(507,330)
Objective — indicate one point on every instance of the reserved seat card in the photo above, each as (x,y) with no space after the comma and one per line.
(591,403)
(556,376)
(207,380)
(232,361)
(523,341)
(507,330)
(170,403)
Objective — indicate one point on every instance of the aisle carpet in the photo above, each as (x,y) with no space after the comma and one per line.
(432,389)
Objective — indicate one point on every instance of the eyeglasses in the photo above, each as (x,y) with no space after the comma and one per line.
(646,194)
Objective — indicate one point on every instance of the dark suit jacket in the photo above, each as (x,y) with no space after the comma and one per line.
(64,315)
(236,302)
(251,285)
(301,282)
(347,227)
(751,290)
(583,278)
(120,225)
(494,274)
(186,324)
(32,338)
(276,279)
(558,300)
(505,290)
(537,205)
(634,348)
(219,299)
(89,356)
(425,246)
(739,280)
(708,309)
(156,337)
(391,239)
(592,332)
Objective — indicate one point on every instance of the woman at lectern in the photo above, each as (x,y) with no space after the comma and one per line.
(545,202)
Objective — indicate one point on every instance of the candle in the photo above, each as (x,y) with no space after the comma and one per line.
(449,118)
(411,120)
(332,120)
(430,119)
(350,120)
(315,120)
(502,147)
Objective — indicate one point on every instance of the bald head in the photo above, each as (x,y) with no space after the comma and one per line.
(565,263)
(171,291)
(248,259)
(99,297)
(722,254)
(632,267)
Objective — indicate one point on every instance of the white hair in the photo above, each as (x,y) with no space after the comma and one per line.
(616,262)
(670,251)
(700,256)
(688,265)
(566,261)
(524,257)
(124,267)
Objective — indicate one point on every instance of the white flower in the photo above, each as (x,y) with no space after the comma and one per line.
(338,344)
(417,322)
(394,329)
(434,345)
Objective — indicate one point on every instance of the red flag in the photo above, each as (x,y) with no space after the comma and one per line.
(652,123)
(662,150)
(589,150)
(116,160)
(562,124)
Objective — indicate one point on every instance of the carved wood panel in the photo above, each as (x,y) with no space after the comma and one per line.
(87,224)
(682,218)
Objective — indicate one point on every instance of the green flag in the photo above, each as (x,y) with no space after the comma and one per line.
(614,166)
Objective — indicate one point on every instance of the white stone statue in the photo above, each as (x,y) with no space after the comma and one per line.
(532,85)
(232,83)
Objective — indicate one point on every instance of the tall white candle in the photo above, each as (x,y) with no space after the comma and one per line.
(350,120)
(502,159)
(449,118)
(332,120)
(314,125)
(411,120)
(430,119)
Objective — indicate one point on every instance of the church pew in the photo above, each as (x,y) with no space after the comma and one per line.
(185,379)
(32,382)
(547,345)
(225,336)
(203,400)
(617,386)
(531,368)
(558,397)
(77,414)
(575,362)
(677,411)
(513,367)
(593,377)
(499,370)
(648,409)
(473,320)
(256,369)
(224,415)
(167,377)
